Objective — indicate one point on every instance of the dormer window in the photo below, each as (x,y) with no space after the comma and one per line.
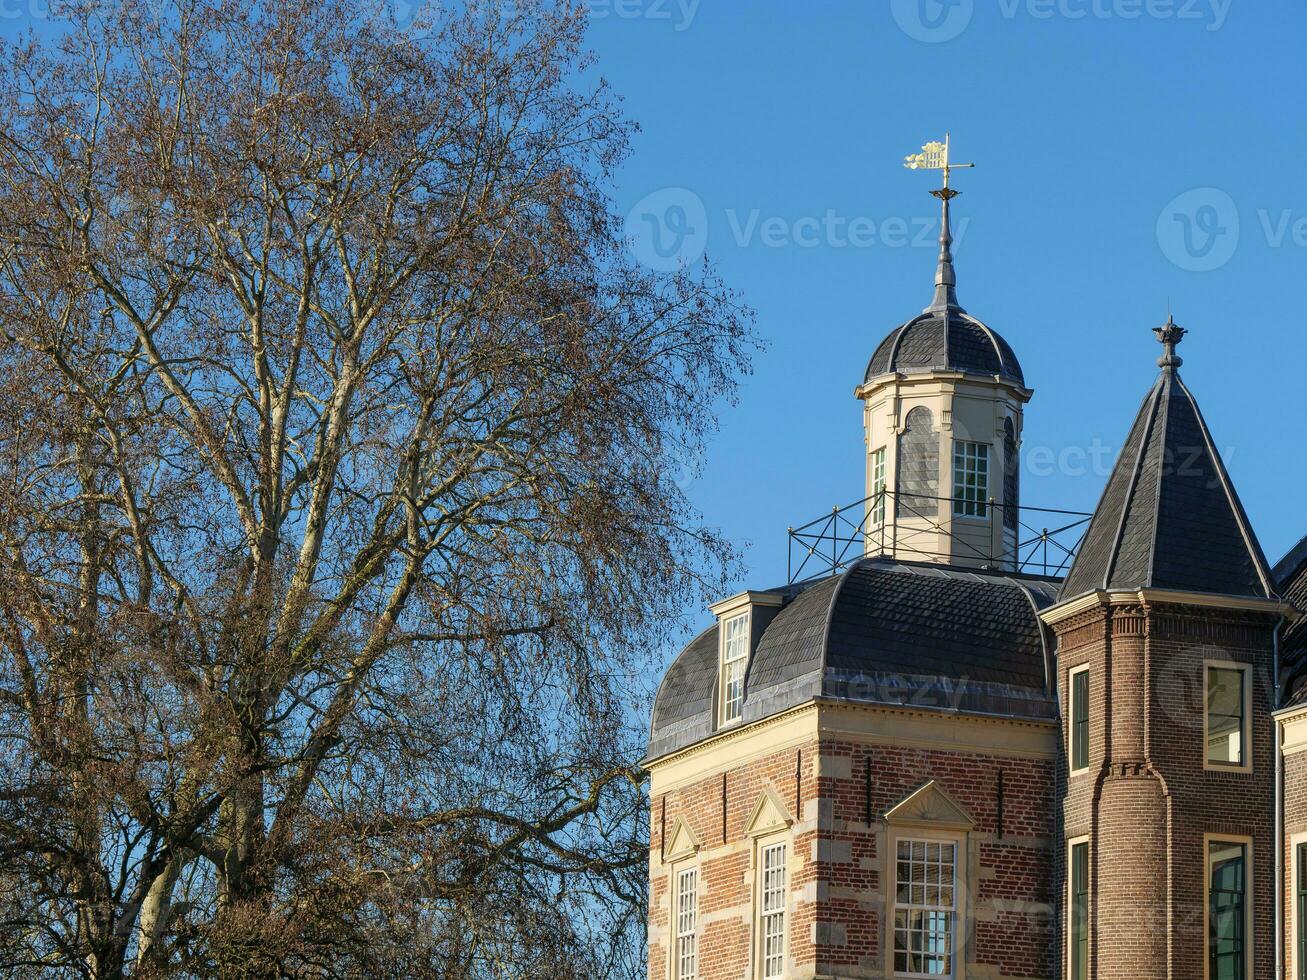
(735,659)
(741,622)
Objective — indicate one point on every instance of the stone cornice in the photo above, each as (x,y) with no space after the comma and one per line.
(1155,597)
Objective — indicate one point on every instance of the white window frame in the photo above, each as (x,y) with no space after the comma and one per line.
(1249,899)
(679,932)
(1292,967)
(1071,845)
(1246,735)
(878,486)
(763,912)
(1071,676)
(967,508)
(957,910)
(731,660)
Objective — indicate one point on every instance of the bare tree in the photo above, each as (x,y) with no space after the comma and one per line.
(338,521)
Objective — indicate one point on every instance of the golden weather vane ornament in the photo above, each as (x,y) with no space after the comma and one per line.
(935,156)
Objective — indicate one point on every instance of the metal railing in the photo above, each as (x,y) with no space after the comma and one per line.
(986,535)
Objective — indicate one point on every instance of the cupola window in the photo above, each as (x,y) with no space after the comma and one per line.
(970,479)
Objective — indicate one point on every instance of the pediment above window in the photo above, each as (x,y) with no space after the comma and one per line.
(682,843)
(770,816)
(931,806)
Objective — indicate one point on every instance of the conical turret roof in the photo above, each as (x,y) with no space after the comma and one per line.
(1170,517)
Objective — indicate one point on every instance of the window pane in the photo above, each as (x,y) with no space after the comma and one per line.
(1225,716)
(878,487)
(687,910)
(1302,912)
(772,924)
(923,912)
(971,479)
(1079,952)
(1226,914)
(735,657)
(1080,720)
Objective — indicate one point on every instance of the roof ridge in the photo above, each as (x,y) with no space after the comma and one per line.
(993,339)
(1167,377)
(1150,404)
(1232,498)
(1292,562)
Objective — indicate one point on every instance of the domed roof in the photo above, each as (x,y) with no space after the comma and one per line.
(930,637)
(945,340)
(944,337)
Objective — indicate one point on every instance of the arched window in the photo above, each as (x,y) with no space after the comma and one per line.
(1011,475)
(918,471)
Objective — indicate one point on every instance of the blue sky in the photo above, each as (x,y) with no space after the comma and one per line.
(1129,153)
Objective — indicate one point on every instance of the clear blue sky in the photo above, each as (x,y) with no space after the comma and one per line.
(1089,119)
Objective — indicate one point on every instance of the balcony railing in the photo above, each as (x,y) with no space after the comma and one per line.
(1034,540)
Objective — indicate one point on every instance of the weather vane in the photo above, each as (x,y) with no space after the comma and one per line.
(935,156)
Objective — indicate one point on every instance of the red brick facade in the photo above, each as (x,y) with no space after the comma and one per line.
(1147,804)
(840,871)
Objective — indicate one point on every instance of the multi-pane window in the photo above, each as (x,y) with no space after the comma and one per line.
(1078,939)
(687,912)
(1226,716)
(924,904)
(971,479)
(1080,720)
(771,916)
(735,658)
(1227,864)
(1301,896)
(878,487)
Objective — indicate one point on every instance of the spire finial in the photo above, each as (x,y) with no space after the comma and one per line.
(1169,336)
(935,156)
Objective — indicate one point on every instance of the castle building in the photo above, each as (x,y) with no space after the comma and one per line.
(932,763)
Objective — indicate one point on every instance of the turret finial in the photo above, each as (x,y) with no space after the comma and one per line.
(1169,336)
(935,156)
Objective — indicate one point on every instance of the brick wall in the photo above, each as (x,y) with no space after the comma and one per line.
(1148,802)
(840,883)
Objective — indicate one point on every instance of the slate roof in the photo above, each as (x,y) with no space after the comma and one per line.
(1290,577)
(924,344)
(1169,517)
(883,632)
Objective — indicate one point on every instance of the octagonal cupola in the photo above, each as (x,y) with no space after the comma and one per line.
(943,399)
